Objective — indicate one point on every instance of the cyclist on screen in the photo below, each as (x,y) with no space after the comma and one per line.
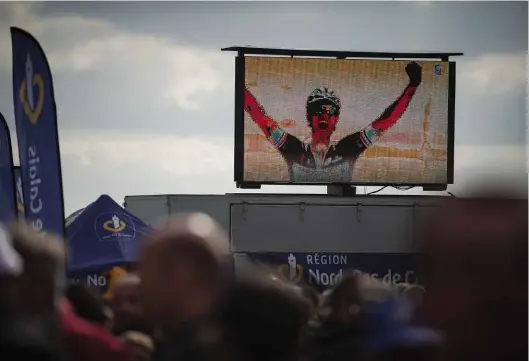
(320,160)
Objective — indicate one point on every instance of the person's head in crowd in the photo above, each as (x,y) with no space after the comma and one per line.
(400,288)
(344,301)
(37,289)
(11,266)
(386,320)
(313,298)
(31,326)
(324,310)
(88,304)
(183,269)
(139,344)
(415,294)
(475,271)
(12,346)
(125,304)
(11,263)
(262,319)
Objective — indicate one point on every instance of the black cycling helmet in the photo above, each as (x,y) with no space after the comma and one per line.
(320,97)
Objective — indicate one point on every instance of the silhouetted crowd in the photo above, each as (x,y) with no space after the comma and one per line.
(186,303)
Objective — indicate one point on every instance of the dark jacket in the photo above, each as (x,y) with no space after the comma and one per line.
(195,341)
(333,341)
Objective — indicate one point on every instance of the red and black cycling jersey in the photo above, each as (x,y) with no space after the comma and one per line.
(334,166)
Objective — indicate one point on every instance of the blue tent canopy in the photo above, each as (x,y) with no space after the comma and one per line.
(103,235)
(72,217)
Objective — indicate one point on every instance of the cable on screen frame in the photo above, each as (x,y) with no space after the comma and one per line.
(400,188)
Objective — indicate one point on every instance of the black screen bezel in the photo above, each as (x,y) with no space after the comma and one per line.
(240,71)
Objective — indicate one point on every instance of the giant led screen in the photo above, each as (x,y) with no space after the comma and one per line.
(323,121)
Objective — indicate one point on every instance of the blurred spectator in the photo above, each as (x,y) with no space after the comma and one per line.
(415,295)
(183,276)
(11,264)
(88,304)
(37,289)
(262,320)
(86,341)
(345,300)
(40,318)
(139,344)
(181,269)
(401,287)
(391,335)
(313,298)
(32,321)
(126,305)
(324,311)
(314,305)
(339,337)
(475,270)
(14,345)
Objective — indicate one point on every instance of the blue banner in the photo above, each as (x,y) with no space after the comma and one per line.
(7,186)
(323,270)
(20,196)
(38,140)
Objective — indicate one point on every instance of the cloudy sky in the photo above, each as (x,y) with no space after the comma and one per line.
(145,97)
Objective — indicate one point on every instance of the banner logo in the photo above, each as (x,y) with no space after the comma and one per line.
(292,271)
(27,97)
(114,225)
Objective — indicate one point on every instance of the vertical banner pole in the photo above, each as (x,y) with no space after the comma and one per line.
(8,197)
(20,197)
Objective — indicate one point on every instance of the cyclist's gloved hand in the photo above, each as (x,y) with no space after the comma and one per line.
(414,72)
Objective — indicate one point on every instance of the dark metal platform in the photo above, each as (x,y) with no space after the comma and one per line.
(340,54)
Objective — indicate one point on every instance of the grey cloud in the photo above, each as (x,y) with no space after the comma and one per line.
(473,27)
(106,79)
(122,94)
(118,97)
(89,102)
(82,187)
(491,119)
(118,179)
(491,99)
